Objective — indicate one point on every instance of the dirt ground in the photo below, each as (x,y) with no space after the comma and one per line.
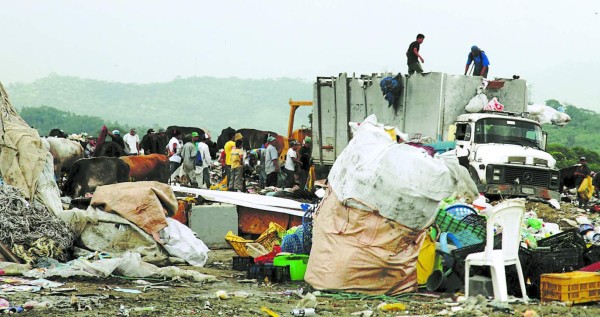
(101,297)
(98,297)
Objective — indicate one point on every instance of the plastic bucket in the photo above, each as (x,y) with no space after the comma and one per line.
(296,262)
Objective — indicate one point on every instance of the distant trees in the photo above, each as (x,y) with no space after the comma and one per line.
(45,118)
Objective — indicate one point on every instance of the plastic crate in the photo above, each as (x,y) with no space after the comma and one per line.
(267,239)
(241,263)
(566,239)
(574,287)
(544,261)
(275,274)
(472,223)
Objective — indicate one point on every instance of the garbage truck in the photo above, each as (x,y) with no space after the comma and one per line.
(503,151)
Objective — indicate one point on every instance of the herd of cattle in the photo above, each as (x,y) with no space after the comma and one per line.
(108,164)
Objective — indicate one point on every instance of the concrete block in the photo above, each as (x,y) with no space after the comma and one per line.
(481,285)
(212,222)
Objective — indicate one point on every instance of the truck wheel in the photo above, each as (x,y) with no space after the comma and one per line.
(474,175)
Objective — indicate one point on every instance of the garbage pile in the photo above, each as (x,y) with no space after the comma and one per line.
(31,231)
(379,207)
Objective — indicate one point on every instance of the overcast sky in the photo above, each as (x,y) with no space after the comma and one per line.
(554,45)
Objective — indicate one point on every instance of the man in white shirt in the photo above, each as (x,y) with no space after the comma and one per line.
(132,143)
(291,159)
(206,161)
(174,152)
(271,162)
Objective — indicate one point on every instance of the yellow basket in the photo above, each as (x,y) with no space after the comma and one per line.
(572,287)
(267,239)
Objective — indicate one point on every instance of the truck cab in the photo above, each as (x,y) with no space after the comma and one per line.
(504,153)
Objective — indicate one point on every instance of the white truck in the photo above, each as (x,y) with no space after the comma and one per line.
(503,151)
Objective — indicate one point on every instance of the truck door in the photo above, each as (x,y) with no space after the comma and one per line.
(463,143)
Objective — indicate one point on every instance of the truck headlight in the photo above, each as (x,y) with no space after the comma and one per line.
(554,177)
(497,171)
(496,177)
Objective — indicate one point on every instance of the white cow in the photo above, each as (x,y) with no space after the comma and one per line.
(545,114)
(65,153)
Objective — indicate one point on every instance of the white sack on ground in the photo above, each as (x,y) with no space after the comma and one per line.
(181,242)
(107,232)
(402,182)
(546,114)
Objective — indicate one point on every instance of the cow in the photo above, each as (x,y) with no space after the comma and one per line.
(89,173)
(546,114)
(58,133)
(109,149)
(253,139)
(224,137)
(212,146)
(64,153)
(153,167)
(567,177)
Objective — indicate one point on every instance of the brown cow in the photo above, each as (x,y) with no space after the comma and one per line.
(153,167)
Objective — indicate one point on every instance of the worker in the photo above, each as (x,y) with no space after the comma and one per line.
(413,56)
(582,172)
(481,64)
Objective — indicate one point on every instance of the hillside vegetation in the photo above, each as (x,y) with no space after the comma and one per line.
(207,102)
(80,105)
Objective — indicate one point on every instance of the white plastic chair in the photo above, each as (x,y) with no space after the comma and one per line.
(509,215)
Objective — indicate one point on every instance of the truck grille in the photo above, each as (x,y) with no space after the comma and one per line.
(527,176)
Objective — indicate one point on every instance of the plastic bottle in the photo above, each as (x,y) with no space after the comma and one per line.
(534,223)
(303,312)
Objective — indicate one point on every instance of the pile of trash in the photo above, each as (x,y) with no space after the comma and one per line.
(30,229)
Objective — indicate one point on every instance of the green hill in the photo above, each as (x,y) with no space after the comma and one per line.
(207,102)
(82,105)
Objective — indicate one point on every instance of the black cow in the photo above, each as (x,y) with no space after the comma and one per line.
(109,149)
(224,137)
(253,139)
(567,177)
(58,133)
(212,147)
(89,173)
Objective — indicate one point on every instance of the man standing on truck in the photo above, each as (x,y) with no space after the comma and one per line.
(413,56)
(480,62)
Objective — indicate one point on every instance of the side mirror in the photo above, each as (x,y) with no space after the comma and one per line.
(544,140)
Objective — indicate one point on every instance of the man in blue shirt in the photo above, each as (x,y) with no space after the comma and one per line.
(480,62)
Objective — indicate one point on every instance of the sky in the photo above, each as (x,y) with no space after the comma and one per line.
(554,45)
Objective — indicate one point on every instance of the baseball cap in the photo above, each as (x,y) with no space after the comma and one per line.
(307,139)
(150,131)
(582,158)
(270,138)
(293,142)
(116,132)
(474,48)
(195,134)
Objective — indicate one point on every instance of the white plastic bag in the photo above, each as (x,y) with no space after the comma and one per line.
(477,103)
(181,242)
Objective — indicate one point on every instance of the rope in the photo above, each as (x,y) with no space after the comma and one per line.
(30,229)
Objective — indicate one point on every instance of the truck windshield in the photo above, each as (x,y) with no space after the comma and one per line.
(508,131)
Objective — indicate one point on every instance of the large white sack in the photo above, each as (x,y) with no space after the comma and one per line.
(181,242)
(477,103)
(401,182)
(546,114)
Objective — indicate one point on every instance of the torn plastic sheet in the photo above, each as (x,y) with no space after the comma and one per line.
(130,264)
